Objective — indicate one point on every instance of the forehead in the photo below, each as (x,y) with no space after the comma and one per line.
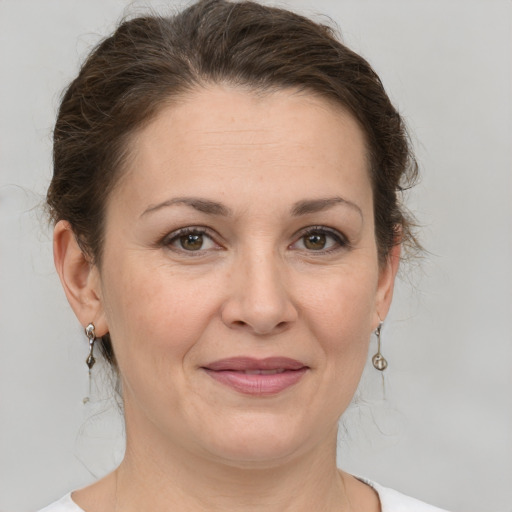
(223,136)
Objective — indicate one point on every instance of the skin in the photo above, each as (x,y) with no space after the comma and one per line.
(256,287)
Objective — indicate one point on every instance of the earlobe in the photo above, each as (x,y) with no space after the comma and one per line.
(79,278)
(386,283)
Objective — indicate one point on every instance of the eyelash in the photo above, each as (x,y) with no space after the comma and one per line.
(340,240)
(192,230)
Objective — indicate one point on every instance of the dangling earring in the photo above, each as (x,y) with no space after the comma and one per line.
(378,360)
(89,332)
(91,336)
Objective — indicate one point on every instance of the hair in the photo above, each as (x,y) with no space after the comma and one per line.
(151,60)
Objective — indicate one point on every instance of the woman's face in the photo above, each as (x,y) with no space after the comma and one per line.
(240,280)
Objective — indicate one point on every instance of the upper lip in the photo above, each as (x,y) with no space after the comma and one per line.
(250,363)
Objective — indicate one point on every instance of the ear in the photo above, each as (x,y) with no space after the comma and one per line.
(386,284)
(80,278)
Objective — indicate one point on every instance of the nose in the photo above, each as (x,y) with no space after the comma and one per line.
(259,299)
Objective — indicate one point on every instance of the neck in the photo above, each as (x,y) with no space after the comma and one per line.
(157,480)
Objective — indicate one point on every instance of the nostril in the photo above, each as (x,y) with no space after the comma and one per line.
(277,327)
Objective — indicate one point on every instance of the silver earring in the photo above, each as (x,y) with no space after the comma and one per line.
(91,335)
(378,360)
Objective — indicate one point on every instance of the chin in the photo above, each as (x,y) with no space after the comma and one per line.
(262,443)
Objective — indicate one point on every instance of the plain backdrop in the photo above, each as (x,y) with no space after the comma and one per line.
(439,426)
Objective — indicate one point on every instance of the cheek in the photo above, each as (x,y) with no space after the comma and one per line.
(158,317)
(341,313)
(343,302)
(154,314)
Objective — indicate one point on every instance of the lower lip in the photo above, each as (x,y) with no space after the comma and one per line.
(257,384)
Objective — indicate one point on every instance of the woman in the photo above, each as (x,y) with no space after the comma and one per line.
(227,231)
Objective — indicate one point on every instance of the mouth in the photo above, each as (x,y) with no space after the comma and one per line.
(263,372)
(257,377)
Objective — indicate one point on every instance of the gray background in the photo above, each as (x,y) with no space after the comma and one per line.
(443,433)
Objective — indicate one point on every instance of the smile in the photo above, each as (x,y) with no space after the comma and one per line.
(263,372)
(257,377)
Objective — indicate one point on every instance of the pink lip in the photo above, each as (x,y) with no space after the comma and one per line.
(257,376)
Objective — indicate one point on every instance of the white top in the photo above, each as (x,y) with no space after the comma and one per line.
(390,501)
(394,501)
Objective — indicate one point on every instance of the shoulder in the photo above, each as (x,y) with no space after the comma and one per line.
(65,504)
(394,501)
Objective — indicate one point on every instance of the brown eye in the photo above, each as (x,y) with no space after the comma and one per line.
(320,239)
(315,241)
(191,242)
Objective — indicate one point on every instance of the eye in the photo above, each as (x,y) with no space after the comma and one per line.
(190,240)
(315,241)
(320,239)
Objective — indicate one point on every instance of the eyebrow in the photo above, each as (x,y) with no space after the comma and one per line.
(317,205)
(209,207)
(201,205)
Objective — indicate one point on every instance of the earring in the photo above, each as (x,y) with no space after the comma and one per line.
(91,335)
(378,360)
(89,332)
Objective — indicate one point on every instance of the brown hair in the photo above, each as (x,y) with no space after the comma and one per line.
(150,60)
